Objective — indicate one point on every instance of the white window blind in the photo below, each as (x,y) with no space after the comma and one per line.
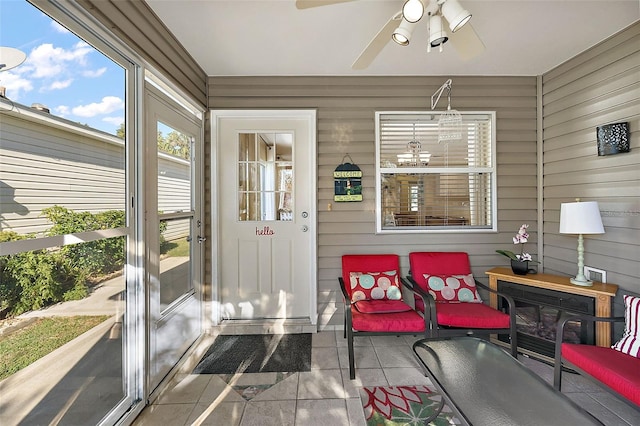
(427,185)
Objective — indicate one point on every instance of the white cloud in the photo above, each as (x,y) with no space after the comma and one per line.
(62,110)
(47,61)
(57,85)
(94,73)
(116,121)
(107,106)
(15,84)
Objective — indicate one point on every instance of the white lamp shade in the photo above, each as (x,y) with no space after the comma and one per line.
(580,218)
(437,36)
(455,14)
(413,10)
(402,34)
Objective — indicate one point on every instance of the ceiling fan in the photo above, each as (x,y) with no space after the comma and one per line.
(401,24)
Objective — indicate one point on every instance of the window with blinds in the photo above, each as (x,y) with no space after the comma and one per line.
(430,182)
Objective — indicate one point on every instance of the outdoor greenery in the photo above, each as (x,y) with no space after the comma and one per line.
(27,345)
(35,279)
(175,143)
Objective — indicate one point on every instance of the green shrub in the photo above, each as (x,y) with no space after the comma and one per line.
(34,279)
(92,258)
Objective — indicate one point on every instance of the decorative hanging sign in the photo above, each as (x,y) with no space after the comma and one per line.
(348,182)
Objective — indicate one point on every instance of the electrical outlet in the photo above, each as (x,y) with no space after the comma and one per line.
(594,274)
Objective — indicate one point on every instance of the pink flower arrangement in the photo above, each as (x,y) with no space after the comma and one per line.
(521,238)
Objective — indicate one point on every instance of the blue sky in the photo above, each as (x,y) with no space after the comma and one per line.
(71,78)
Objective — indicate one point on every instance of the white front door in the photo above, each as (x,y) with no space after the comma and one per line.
(265,195)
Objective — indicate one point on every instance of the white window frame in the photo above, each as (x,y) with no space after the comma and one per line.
(493,227)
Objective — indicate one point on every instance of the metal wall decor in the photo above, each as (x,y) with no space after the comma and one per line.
(348,182)
(613,138)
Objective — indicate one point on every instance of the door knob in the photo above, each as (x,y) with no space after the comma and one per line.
(305,215)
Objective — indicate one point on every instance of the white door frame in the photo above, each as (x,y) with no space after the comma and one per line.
(216,116)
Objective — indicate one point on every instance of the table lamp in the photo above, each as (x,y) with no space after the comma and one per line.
(580,218)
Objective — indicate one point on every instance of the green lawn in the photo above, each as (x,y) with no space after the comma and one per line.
(27,345)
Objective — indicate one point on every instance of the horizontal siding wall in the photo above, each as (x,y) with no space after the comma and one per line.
(42,165)
(600,86)
(346,125)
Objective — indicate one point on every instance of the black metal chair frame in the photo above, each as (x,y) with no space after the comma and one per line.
(560,363)
(350,333)
(438,330)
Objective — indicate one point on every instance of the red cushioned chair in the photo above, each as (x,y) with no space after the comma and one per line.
(372,289)
(617,371)
(444,281)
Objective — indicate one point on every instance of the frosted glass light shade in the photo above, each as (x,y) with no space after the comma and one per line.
(580,218)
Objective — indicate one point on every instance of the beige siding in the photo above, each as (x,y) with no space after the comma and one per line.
(50,161)
(134,23)
(600,86)
(346,119)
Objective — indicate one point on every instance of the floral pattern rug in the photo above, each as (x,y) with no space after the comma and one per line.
(403,405)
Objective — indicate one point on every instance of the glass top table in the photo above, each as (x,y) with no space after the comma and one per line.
(484,385)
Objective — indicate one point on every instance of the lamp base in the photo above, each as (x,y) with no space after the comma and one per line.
(584,282)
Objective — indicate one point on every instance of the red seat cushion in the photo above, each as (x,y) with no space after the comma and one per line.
(381,306)
(471,315)
(619,371)
(388,322)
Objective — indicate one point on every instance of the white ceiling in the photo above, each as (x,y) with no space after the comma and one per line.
(273,37)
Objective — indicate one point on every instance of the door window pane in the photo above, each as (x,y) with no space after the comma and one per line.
(175,260)
(265,176)
(174,170)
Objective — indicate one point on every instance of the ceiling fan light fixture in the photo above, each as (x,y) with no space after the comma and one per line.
(412,10)
(437,36)
(402,34)
(455,14)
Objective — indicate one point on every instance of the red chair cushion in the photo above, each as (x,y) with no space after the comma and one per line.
(471,315)
(375,286)
(619,371)
(452,288)
(381,306)
(396,322)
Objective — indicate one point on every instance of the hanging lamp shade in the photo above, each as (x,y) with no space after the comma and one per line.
(455,14)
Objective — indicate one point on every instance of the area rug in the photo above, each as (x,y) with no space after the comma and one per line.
(257,353)
(403,405)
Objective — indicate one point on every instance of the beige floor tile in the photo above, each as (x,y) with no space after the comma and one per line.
(395,341)
(323,339)
(400,356)
(164,414)
(222,413)
(325,358)
(287,389)
(405,376)
(318,384)
(269,413)
(189,389)
(321,412)
(217,390)
(365,357)
(355,412)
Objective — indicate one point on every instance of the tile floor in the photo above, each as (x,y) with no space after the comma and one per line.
(325,395)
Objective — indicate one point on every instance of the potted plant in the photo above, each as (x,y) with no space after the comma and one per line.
(520,262)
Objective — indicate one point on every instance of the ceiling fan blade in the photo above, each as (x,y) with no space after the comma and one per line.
(306,4)
(376,45)
(467,42)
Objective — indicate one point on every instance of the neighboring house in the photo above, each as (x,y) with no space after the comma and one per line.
(85,171)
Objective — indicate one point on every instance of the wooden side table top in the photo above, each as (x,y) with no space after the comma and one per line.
(553,282)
